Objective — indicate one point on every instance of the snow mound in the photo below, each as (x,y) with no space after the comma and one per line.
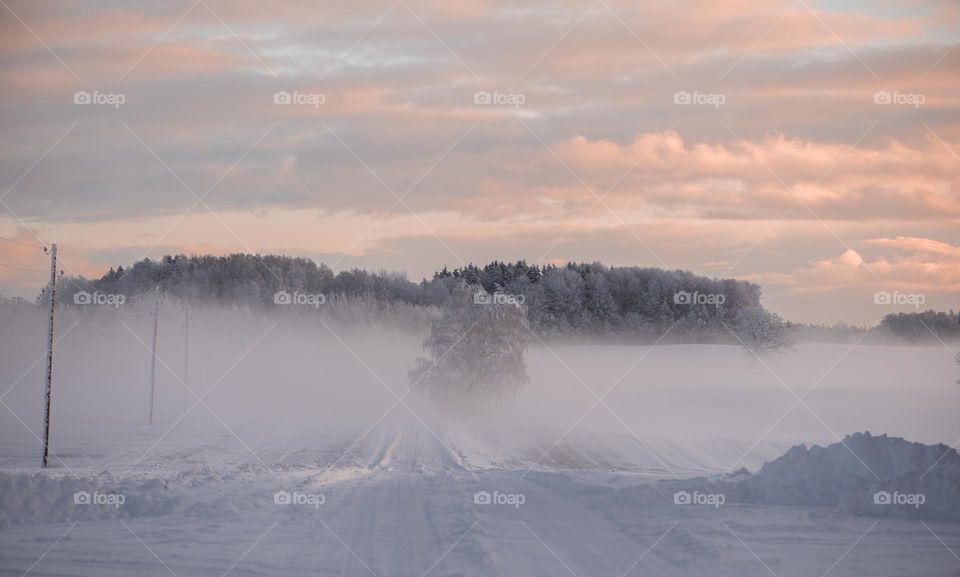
(877,476)
(41,497)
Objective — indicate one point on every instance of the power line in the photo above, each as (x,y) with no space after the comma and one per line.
(21,268)
(21,243)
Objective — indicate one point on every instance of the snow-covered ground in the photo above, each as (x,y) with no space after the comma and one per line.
(574,491)
(403,503)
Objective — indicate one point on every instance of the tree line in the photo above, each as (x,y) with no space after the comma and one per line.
(572,300)
(561,301)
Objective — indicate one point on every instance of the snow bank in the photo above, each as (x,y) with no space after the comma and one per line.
(862,475)
(41,497)
(865,475)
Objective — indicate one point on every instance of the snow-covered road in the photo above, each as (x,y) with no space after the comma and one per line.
(563,489)
(407,501)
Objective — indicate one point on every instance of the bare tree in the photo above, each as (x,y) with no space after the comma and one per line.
(762,333)
(476,349)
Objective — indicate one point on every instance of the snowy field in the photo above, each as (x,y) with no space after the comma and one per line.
(382,485)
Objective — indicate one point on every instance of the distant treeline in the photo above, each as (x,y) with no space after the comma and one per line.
(592,299)
(922,326)
(562,301)
(572,300)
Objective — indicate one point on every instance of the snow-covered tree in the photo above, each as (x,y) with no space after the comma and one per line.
(762,333)
(576,299)
(476,349)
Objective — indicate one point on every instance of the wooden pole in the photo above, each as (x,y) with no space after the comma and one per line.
(46,397)
(186,353)
(153,359)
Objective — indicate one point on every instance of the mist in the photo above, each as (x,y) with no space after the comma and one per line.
(272,370)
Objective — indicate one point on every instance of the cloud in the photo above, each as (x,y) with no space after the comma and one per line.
(699,185)
(916,264)
(764,178)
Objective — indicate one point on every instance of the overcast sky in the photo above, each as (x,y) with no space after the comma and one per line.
(812,147)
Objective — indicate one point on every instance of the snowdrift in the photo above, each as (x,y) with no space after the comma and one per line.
(39,497)
(866,475)
(876,476)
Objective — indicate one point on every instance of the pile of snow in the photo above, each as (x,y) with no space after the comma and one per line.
(865,475)
(862,475)
(43,497)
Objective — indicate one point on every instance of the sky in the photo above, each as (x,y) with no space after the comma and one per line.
(810,147)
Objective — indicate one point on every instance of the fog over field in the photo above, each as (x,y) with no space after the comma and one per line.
(297,401)
(278,369)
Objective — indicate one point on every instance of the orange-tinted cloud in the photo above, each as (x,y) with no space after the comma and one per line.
(871,189)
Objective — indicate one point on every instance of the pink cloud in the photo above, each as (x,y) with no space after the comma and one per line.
(737,179)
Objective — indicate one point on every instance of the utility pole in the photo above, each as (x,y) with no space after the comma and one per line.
(46,397)
(153,360)
(186,353)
